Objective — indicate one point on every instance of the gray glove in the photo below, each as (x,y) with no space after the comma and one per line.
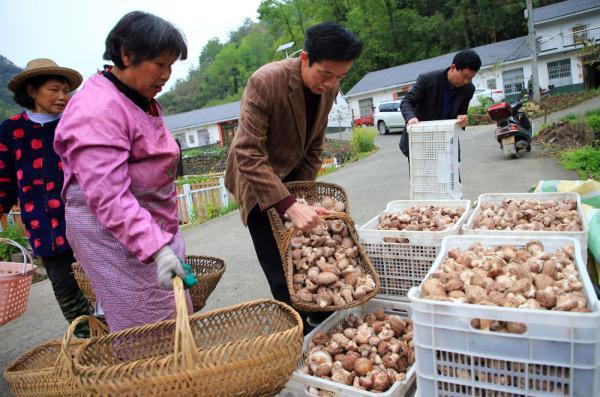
(167,263)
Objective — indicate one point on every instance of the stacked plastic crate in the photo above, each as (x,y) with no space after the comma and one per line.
(557,352)
(402,258)
(434,154)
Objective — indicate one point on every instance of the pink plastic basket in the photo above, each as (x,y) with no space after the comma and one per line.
(15,283)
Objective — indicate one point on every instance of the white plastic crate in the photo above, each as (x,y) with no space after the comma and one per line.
(559,352)
(300,382)
(403,265)
(433,153)
(497,198)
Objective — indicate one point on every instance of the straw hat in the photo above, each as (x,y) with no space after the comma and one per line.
(44,66)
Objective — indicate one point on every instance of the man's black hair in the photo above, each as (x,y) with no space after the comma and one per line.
(24,99)
(467,59)
(143,36)
(331,41)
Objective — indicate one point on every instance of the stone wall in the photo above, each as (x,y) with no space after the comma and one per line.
(204,163)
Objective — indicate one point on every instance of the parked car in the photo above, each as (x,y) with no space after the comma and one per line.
(387,117)
(364,120)
(495,95)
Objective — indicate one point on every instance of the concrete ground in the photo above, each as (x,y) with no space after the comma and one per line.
(370,183)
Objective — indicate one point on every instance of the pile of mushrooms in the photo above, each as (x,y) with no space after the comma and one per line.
(424,218)
(370,352)
(328,202)
(529,215)
(326,266)
(509,276)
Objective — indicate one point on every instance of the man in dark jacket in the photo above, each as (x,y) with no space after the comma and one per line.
(441,94)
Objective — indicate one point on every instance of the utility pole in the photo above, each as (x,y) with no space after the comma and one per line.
(533,45)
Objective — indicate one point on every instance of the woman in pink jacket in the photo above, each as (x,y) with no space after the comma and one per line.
(119,162)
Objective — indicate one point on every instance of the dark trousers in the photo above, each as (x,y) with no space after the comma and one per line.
(270,261)
(70,299)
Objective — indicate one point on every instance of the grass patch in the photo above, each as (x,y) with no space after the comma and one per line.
(363,139)
(585,161)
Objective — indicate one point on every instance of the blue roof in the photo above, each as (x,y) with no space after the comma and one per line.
(563,9)
(490,54)
(203,116)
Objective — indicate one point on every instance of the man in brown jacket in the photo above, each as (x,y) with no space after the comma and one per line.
(283,117)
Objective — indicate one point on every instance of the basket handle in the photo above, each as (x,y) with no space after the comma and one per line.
(64,362)
(184,348)
(26,254)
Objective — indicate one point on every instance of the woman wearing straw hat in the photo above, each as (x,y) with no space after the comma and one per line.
(31,172)
(120,162)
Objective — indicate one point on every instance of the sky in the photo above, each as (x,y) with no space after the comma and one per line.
(72,32)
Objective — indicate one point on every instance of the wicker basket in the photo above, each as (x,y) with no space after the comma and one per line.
(310,191)
(84,283)
(248,349)
(363,261)
(208,271)
(40,371)
(15,283)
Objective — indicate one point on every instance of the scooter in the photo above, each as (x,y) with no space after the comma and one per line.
(513,128)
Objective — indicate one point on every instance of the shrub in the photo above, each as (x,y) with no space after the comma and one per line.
(569,117)
(363,139)
(14,233)
(584,161)
(593,120)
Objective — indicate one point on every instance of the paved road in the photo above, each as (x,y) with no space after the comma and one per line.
(370,183)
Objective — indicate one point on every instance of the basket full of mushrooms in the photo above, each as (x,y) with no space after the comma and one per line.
(363,351)
(404,240)
(522,304)
(326,269)
(319,194)
(529,214)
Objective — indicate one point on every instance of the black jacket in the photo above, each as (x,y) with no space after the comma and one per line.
(424,100)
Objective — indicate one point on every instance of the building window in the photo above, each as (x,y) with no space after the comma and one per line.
(559,72)
(182,141)
(491,84)
(579,34)
(514,81)
(191,139)
(365,106)
(203,137)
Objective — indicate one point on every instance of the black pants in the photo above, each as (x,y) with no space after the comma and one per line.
(70,299)
(270,261)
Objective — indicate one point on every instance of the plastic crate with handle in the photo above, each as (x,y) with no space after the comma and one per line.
(299,383)
(434,154)
(498,198)
(558,354)
(403,264)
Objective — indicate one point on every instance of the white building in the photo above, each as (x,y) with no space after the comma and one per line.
(560,28)
(218,124)
(206,126)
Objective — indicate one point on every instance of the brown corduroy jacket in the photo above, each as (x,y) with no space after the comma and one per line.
(271,140)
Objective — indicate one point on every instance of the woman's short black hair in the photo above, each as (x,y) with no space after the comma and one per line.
(24,99)
(467,59)
(331,41)
(143,36)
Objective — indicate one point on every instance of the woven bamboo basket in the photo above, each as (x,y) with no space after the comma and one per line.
(84,283)
(41,372)
(208,271)
(249,349)
(15,284)
(363,261)
(310,191)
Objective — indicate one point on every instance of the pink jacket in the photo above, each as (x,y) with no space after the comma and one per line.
(110,147)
